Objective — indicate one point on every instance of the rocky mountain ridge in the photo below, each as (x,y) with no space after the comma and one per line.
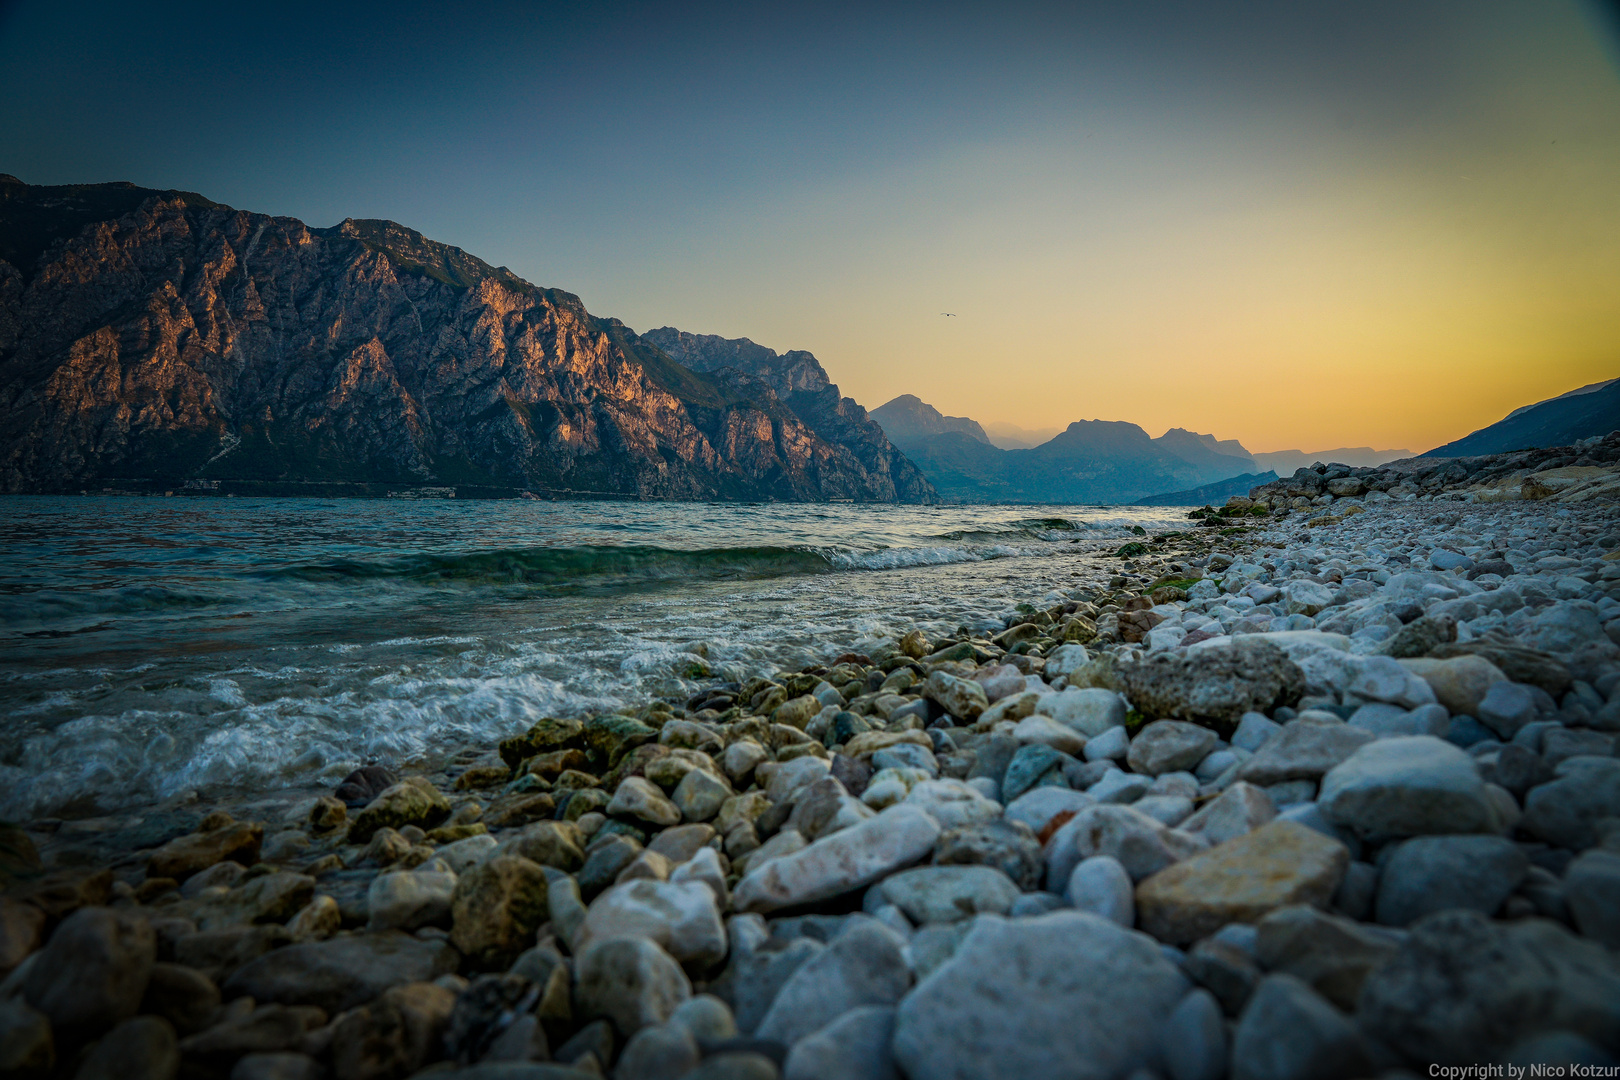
(1589,411)
(159,339)
(799,381)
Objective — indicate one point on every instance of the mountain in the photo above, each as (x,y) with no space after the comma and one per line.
(1286,462)
(157,339)
(1217,492)
(908,420)
(798,380)
(1091,461)
(1560,421)
(1012,437)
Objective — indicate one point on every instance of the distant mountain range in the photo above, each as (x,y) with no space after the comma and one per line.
(1092,461)
(1590,410)
(154,340)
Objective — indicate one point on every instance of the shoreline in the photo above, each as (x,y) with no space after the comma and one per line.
(1273,808)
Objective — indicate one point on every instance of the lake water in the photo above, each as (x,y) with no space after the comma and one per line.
(153,646)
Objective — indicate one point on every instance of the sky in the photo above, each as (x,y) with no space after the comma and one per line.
(1302,225)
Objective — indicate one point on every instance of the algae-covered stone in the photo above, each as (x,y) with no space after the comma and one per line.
(611,736)
(412,801)
(1277,864)
(546,736)
(496,908)
(549,843)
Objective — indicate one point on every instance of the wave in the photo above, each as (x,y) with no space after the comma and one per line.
(899,558)
(569,566)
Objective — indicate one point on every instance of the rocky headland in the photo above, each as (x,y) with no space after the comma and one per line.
(1323,785)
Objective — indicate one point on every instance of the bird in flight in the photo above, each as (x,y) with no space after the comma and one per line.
(949,314)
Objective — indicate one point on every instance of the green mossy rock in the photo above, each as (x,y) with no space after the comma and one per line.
(495,910)
(552,733)
(412,801)
(611,736)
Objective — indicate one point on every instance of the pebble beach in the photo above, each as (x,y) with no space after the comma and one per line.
(1321,783)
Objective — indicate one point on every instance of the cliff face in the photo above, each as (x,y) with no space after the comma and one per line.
(798,380)
(158,336)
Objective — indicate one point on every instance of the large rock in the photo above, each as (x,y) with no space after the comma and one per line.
(861,966)
(1414,785)
(853,1047)
(850,859)
(1459,683)
(939,894)
(1241,881)
(410,899)
(1566,811)
(683,918)
(1169,746)
(92,972)
(1334,955)
(183,856)
(1214,685)
(496,907)
(344,972)
(1464,989)
(630,981)
(1064,994)
(1305,749)
(1433,873)
(1143,845)
(1287,1032)
(412,801)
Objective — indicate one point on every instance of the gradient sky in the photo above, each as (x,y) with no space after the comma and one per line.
(1300,225)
